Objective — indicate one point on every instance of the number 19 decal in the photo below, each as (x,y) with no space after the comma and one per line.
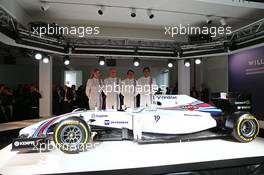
(157,118)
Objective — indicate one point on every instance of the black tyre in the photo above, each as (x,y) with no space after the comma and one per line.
(246,128)
(71,135)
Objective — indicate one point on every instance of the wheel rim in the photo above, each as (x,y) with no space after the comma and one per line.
(248,128)
(71,135)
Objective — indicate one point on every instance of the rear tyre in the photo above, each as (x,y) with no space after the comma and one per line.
(71,135)
(246,128)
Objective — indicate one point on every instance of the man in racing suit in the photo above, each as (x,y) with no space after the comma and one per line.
(148,87)
(112,90)
(128,90)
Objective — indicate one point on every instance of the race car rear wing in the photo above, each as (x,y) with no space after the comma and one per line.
(224,105)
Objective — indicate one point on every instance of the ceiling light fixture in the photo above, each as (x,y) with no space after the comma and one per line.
(101,61)
(133,13)
(150,14)
(46,59)
(38,56)
(67,60)
(45,6)
(187,63)
(208,20)
(170,63)
(136,62)
(101,10)
(198,61)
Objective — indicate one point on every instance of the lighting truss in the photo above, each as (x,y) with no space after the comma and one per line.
(243,37)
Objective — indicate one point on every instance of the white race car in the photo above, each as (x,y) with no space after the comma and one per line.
(170,118)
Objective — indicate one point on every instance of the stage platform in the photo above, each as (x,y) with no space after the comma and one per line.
(115,157)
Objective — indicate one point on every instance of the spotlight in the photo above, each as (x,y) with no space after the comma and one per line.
(46,59)
(170,63)
(44,7)
(101,61)
(223,22)
(208,20)
(101,10)
(150,14)
(198,61)
(187,63)
(38,56)
(136,62)
(133,13)
(67,60)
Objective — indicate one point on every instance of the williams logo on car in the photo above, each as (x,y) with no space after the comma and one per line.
(107,122)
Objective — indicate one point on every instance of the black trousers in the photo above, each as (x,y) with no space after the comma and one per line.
(66,107)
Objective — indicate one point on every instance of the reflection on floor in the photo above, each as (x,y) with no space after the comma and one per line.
(128,155)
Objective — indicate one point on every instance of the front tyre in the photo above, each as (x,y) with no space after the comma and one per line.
(246,128)
(71,135)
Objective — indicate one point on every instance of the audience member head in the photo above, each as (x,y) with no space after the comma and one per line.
(73,87)
(65,87)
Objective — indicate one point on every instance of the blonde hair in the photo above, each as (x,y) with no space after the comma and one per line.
(93,72)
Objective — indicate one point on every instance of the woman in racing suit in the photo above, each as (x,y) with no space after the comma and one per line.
(93,90)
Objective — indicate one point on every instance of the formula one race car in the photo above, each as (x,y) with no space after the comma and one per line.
(171,118)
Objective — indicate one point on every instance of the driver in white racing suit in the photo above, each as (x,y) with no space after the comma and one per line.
(148,87)
(112,90)
(129,90)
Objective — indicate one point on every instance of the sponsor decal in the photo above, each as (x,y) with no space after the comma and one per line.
(106,122)
(119,122)
(71,123)
(16,143)
(151,110)
(243,107)
(193,115)
(23,143)
(164,97)
(190,107)
(99,116)
(242,102)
